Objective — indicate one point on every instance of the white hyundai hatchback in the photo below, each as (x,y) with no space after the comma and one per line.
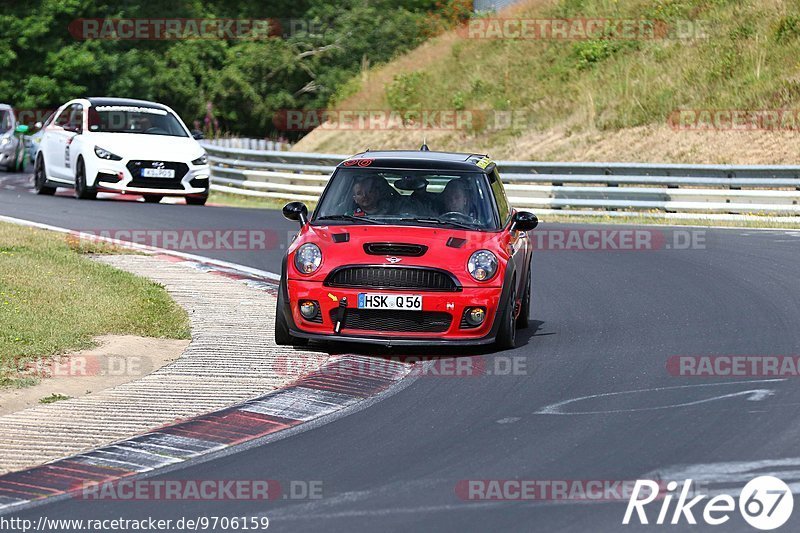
(123,146)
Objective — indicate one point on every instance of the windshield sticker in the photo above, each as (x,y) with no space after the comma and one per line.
(131,109)
(483,163)
(358,162)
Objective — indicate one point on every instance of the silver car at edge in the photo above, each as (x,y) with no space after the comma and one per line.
(12,149)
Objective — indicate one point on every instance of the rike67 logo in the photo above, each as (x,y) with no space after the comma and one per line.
(765,503)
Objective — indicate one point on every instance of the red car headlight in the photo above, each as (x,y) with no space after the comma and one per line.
(308,258)
(482,265)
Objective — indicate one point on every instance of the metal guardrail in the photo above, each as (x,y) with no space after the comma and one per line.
(579,188)
(248,143)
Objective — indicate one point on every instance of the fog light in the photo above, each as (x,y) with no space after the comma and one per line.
(308,309)
(475,316)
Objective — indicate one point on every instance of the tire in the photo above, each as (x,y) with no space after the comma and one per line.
(150,199)
(195,200)
(40,178)
(83,191)
(523,320)
(282,335)
(507,333)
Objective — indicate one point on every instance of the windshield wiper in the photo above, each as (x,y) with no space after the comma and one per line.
(351,218)
(439,222)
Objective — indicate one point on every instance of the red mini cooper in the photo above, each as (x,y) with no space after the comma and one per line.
(408,248)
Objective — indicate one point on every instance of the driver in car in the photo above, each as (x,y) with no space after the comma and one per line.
(370,197)
(145,124)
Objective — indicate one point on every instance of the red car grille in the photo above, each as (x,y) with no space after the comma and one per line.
(401,321)
(390,277)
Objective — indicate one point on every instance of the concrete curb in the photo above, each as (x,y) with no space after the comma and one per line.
(334,387)
(232,358)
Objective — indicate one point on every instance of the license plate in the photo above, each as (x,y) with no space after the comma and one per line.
(158,173)
(406,302)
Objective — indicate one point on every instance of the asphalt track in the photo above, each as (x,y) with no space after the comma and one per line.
(604,322)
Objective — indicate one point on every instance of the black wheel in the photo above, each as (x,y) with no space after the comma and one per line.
(40,178)
(507,334)
(151,199)
(196,200)
(282,335)
(83,191)
(523,319)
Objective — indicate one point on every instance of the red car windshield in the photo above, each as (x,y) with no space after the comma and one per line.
(420,197)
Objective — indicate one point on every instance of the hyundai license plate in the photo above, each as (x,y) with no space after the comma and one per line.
(158,173)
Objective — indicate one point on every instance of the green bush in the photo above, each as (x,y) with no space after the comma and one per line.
(406,91)
(788,28)
(246,82)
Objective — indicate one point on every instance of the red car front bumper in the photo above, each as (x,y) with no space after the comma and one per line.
(439,322)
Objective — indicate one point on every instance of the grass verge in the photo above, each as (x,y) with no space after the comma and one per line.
(236,200)
(54,299)
(596,98)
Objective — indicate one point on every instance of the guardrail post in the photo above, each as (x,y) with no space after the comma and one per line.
(732,175)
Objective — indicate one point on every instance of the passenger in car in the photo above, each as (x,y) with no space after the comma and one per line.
(455,198)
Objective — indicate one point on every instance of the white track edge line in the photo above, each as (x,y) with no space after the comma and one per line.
(144,248)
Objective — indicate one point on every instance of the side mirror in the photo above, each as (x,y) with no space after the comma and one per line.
(22,128)
(197,134)
(38,125)
(296,211)
(524,221)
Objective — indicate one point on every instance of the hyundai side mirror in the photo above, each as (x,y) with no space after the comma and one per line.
(197,135)
(296,211)
(524,221)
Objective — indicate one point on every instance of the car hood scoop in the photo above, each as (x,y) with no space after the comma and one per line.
(395,249)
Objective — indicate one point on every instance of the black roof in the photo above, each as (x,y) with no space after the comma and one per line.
(418,159)
(106,100)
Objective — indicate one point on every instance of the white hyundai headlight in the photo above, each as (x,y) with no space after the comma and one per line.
(202,160)
(307,258)
(102,153)
(482,265)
